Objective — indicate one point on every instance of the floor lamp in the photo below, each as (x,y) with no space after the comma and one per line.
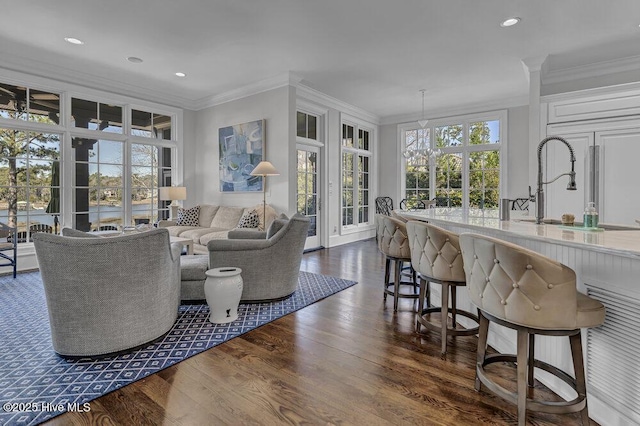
(264,169)
(173,193)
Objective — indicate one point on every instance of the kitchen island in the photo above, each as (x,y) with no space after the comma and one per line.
(607,266)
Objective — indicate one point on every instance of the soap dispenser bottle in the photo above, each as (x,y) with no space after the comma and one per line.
(591,216)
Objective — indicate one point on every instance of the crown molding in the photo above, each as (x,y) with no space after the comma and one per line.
(313,95)
(281,80)
(596,69)
(78,78)
(456,111)
(618,89)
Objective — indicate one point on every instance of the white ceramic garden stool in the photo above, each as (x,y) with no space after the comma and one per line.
(223,289)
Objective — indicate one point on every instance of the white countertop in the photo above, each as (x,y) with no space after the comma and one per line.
(619,242)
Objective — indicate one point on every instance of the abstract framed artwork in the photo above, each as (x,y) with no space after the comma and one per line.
(241,149)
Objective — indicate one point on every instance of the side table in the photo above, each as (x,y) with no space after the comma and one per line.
(223,290)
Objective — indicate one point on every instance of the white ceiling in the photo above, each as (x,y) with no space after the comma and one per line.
(373,54)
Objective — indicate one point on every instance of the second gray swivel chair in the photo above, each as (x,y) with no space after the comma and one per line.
(436,256)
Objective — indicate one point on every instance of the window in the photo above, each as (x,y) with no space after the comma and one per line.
(29,159)
(150,169)
(118,157)
(417,176)
(96,116)
(307,126)
(99,183)
(459,166)
(150,125)
(116,183)
(356,169)
(29,179)
(23,103)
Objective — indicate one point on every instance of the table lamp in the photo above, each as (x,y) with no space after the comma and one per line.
(173,193)
(264,169)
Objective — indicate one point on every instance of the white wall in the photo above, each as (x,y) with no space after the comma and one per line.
(388,163)
(518,152)
(274,107)
(518,157)
(188,160)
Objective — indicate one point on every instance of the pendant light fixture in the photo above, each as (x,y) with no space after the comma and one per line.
(424,121)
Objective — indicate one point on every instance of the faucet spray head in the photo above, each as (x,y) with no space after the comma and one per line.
(572,182)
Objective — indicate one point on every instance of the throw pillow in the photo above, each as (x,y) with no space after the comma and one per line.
(263,211)
(188,217)
(249,220)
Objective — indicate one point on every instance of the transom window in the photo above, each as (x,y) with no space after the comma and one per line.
(24,103)
(307,125)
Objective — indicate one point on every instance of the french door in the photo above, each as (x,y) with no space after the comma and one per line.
(308,191)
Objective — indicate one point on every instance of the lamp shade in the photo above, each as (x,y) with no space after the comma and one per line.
(173,193)
(265,168)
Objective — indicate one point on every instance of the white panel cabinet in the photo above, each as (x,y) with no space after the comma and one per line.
(609,175)
(619,175)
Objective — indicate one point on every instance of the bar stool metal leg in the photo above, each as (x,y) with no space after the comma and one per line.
(396,288)
(387,274)
(444,317)
(522,353)
(578,367)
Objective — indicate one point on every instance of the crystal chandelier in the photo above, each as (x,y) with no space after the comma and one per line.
(421,153)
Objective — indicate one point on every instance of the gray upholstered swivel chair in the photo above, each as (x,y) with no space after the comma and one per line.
(392,239)
(534,295)
(270,266)
(107,295)
(435,255)
(9,243)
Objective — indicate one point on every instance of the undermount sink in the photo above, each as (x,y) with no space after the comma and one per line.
(607,226)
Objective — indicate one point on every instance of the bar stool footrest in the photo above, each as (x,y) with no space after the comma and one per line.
(451,331)
(552,407)
(400,294)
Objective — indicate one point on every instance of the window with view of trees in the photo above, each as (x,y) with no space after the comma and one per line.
(466,170)
(356,167)
(29,159)
(115,169)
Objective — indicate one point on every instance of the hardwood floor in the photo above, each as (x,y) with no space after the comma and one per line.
(347,359)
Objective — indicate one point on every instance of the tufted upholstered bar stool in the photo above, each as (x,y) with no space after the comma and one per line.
(532,294)
(436,256)
(393,243)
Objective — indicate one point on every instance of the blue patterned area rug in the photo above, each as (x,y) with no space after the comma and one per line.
(36,384)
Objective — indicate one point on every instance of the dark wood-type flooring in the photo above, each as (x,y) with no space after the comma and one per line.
(347,359)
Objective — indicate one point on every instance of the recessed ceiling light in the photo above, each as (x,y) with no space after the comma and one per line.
(181,74)
(134,59)
(510,22)
(73,40)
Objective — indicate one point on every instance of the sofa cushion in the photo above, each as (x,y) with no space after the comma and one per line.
(249,220)
(227,217)
(217,235)
(176,231)
(188,217)
(195,233)
(207,213)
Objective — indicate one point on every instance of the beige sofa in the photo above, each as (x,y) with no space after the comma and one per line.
(214,223)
